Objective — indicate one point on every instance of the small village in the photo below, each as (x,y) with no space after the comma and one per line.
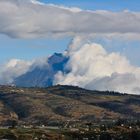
(122,129)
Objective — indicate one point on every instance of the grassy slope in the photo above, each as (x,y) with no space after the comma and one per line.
(61,103)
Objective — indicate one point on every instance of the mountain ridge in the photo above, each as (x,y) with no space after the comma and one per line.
(42,76)
(58,104)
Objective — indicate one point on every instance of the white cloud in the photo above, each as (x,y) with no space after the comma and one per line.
(92,67)
(13,69)
(127,83)
(16,67)
(89,66)
(29,18)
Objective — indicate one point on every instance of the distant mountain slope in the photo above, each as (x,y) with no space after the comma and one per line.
(61,103)
(42,76)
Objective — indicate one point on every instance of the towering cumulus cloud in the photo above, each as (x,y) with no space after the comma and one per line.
(29,19)
(84,64)
(92,67)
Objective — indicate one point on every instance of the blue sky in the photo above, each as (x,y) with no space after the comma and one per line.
(34,48)
(29,49)
(113,5)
